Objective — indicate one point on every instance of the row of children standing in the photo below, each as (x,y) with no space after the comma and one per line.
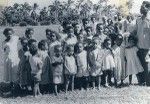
(80,56)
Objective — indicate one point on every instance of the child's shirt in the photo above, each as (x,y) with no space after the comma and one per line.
(108,62)
(57,69)
(70,65)
(71,41)
(82,65)
(36,64)
(96,58)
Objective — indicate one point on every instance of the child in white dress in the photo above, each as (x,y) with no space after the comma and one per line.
(70,67)
(133,65)
(82,66)
(117,53)
(96,57)
(11,58)
(108,63)
(57,67)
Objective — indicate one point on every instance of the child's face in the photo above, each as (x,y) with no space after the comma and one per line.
(106,31)
(70,32)
(77,28)
(29,36)
(119,42)
(70,51)
(89,32)
(95,43)
(100,28)
(52,36)
(108,44)
(48,35)
(58,52)
(9,34)
(80,38)
(24,43)
(80,47)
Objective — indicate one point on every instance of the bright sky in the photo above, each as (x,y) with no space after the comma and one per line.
(42,3)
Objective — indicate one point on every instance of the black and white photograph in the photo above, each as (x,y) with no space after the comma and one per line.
(74,51)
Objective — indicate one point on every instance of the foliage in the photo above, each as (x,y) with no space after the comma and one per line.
(56,12)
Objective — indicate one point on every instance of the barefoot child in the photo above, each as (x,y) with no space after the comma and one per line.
(57,67)
(133,65)
(70,67)
(82,66)
(46,71)
(24,65)
(108,64)
(96,57)
(36,69)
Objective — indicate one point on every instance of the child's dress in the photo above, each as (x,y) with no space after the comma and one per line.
(118,63)
(133,65)
(24,68)
(108,62)
(70,65)
(11,59)
(82,65)
(57,70)
(46,75)
(96,58)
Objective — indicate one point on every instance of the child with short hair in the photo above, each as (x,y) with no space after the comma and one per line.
(70,67)
(133,65)
(82,66)
(57,67)
(24,65)
(29,33)
(36,69)
(118,54)
(46,75)
(96,57)
(108,63)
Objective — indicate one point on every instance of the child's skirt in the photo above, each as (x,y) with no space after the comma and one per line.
(58,79)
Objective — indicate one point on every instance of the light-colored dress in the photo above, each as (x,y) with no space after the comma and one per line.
(133,65)
(118,63)
(11,59)
(108,62)
(57,70)
(71,41)
(82,64)
(96,58)
(45,76)
(70,65)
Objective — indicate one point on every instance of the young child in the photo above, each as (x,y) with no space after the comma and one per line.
(89,34)
(117,53)
(57,67)
(24,65)
(82,66)
(133,65)
(36,69)
(108,63)
(46,76)
(96,57)
(70,67)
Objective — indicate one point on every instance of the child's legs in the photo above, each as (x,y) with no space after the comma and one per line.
(109,73)
(85,82)
(93,78)
(104,76)
(67,77)
(130,79)
(56,88)
(72,82)
(99,80)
